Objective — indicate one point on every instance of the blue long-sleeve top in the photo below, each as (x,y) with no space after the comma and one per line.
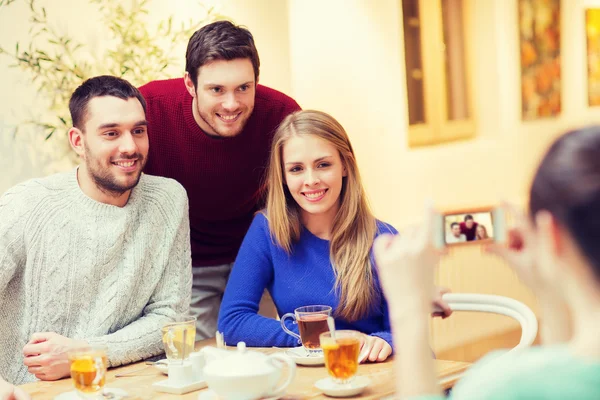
(301,278)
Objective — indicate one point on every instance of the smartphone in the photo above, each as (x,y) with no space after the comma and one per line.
(469,226)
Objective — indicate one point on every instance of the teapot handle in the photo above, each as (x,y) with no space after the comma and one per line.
(275,359)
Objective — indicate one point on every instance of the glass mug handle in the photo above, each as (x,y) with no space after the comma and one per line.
(170,337)
(285,328)
(99,365)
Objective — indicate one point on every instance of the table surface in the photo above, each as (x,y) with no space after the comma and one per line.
(139,384)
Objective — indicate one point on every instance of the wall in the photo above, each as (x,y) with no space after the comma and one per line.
(347,59)
(26,155)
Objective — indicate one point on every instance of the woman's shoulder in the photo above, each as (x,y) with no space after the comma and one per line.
(260,217)
(260,222)
(539,372)
(384,227)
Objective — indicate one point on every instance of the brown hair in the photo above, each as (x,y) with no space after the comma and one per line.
(486,236)
(567,185)
(220,40)
(99,86)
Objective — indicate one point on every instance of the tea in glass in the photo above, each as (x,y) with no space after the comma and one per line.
(310,327)
(179,337)
(341,354)
(312,321)
(88,370)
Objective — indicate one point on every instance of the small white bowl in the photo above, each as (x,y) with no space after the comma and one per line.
(300,357)
(352,388)
(162,366)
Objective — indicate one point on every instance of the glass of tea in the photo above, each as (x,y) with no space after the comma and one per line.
(341,354)
(312,321)
(179,337)
(88,370)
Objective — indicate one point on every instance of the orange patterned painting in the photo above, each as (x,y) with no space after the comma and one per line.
(539,37)
(592,25)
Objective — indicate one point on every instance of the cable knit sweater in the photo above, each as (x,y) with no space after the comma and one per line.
(88,270)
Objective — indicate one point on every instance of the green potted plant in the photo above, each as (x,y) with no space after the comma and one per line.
(57,63)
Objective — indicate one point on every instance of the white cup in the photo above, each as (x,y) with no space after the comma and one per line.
(181,374)
(198,362)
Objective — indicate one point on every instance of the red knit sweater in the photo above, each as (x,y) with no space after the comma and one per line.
(222,176)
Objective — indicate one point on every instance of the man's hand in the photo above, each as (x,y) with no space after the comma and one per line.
(46,355)
(11,392)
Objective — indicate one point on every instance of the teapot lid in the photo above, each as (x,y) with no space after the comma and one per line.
(241,363)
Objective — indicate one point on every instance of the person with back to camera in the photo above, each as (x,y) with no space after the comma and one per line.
(555,252)
(11,392)
(312,243)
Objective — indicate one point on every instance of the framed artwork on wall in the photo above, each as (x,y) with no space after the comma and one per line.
(592,30)
(539,42)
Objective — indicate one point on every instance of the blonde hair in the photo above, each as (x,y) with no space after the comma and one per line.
(477,236)
(354,225)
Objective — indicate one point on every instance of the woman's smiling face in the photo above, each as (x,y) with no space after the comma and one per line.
(313,172)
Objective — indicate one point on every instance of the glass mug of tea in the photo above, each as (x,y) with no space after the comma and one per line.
(341,354)
(179,337)
(312,321)
(88,370)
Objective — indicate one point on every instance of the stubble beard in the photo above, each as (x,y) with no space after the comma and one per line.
(106,182)
(207,120)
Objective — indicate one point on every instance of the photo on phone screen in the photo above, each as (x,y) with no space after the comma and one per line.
(465,226)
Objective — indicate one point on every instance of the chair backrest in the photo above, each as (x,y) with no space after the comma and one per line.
(498,305)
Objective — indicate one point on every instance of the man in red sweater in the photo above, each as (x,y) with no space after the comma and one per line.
(212,132)
(469,227)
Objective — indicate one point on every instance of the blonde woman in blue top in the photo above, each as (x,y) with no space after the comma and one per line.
(312,243)
(555,251)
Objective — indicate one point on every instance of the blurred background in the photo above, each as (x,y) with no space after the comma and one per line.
(451,100)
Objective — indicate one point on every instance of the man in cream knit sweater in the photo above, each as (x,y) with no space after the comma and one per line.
(97,255)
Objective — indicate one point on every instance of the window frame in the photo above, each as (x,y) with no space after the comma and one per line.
(438,128)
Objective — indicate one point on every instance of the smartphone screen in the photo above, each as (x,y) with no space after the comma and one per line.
(470,226)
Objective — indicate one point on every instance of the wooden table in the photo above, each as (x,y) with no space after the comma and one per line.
(139,384)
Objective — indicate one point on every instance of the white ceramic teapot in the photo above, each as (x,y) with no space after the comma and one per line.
(247,375)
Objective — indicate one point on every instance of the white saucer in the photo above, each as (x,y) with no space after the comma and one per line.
(162,366)
(72,395)
(354,387)
(210,395)
(298,354)
(168,387)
